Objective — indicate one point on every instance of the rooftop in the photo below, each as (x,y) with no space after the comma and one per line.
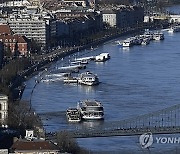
(2,96)
(33,145)
(5,29)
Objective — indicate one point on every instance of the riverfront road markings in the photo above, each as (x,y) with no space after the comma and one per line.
(147,139)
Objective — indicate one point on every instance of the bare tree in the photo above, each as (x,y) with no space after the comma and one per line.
(21,117)
(67,143)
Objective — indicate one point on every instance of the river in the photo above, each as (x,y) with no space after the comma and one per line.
(174,9)
(135,81)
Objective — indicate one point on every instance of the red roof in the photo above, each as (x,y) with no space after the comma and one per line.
(5,29)
(33,145)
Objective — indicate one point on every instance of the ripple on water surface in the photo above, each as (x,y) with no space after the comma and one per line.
(133,82)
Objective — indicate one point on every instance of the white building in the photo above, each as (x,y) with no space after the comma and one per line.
(32,23)
(16,3)
(75,3)
(123,16)
(174,19)
(3,109)
(33,28)
(109,17)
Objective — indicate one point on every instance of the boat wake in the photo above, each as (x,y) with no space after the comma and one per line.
(53,77)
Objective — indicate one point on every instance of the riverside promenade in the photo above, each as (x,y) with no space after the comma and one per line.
(42,62)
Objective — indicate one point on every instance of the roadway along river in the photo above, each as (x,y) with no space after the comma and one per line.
(134,81)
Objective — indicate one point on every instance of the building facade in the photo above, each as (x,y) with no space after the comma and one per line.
(1,54)
(75,24)
(110,17)
(32,28)
(12,42)
(34,147)
(174,19)
(3,109)
(126,16)
(31,23)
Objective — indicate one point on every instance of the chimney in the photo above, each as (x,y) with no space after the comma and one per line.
(15,139)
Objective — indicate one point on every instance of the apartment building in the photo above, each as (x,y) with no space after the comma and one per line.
(31,27)
(17,3)
(124,16)
(3,109)
(77,23)
(110,17)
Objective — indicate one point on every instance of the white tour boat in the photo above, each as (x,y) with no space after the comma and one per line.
(158,36)
(148,35)
(91,110)
(88,78)
(145,41)
(174,29)
(70,80)
(137,40)
(73,115)
(128,42)
(102,57)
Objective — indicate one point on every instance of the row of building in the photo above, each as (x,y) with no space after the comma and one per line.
(46,26)
(123,16)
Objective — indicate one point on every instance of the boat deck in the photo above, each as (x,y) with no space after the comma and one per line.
(91,103)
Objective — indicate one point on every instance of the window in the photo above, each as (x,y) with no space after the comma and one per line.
(0,107)
(0,115)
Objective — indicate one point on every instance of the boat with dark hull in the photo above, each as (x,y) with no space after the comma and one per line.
(73,115)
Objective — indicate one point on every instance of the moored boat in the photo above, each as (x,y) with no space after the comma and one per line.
(145,41)
(88,78)
(158,36)
(73,115)
(70,80)
(127,43)
(174,29)
(91,110)
(102,57)
(137,40)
